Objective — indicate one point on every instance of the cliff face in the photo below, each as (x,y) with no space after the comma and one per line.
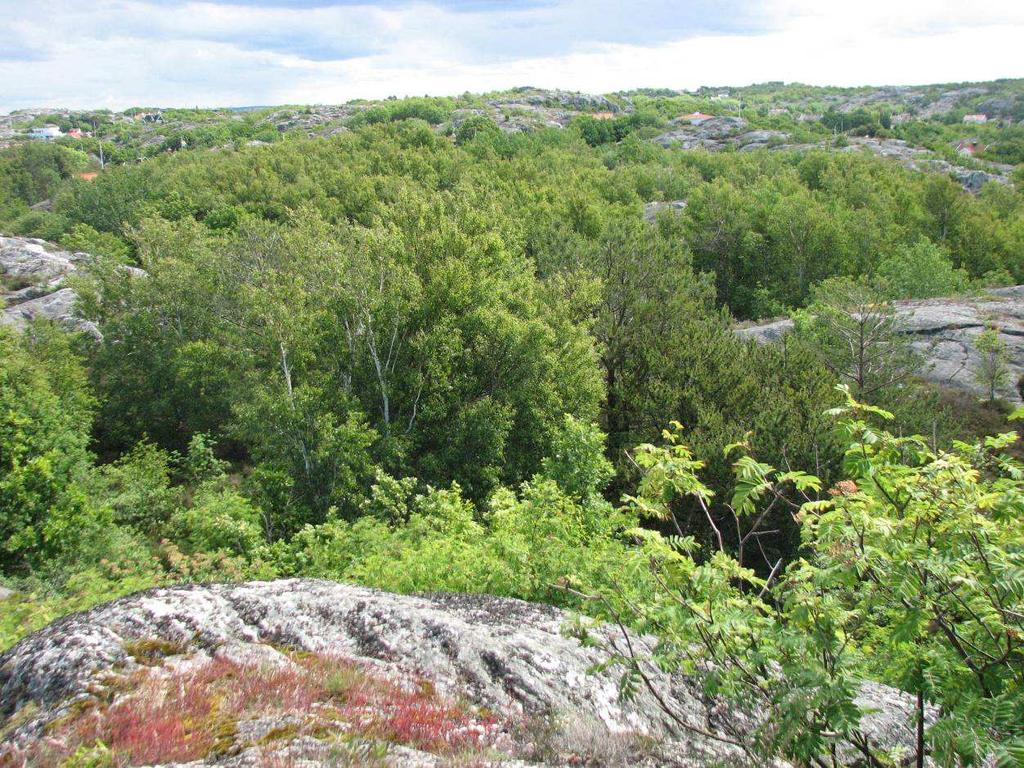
(945,332)
(310,672)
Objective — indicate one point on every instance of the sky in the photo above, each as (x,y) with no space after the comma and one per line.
(121,53)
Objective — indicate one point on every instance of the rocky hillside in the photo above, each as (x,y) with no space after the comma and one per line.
(308,672)
(945,331)
(734,133)
(1001,98)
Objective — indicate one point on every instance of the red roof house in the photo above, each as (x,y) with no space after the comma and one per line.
(969,147)
(696,118)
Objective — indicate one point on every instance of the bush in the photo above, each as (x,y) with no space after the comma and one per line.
(41,224)
(218,520)
(478,125)
(46,514)
(82,237)
(529,543)
(921,271)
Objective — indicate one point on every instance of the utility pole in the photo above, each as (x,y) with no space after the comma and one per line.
(95,132)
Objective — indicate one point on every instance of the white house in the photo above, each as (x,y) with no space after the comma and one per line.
(976,119)
(48,132)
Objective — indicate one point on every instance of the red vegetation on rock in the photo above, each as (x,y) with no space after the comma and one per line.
(166,715)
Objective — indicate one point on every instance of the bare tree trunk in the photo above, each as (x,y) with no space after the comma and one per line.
(379,367)
(287,371)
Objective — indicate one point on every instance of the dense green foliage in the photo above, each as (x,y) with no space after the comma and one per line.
(912,572)
(420,357)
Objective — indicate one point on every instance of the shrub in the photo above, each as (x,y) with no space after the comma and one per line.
(41,224)
(218,520)
(478,125)
(921,271)
(82,237)
(46,515)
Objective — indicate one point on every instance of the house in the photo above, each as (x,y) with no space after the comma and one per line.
(969,147)
(901,117)
(975,119)
(48,132)
(87,176)
(720,96)
(603,115)
(777,111)
(76,133)
(808,118)
(696,118)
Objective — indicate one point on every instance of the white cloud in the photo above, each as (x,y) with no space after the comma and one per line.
(120,52)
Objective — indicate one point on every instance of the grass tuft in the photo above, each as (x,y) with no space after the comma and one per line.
(152,651)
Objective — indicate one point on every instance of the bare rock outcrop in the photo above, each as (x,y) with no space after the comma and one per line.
(713,135)
(720,133)
(33,273)
(508,662)
(652,209)
(33,284)
(920,159)
(945,333)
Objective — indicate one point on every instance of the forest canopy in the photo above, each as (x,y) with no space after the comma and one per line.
(421,362)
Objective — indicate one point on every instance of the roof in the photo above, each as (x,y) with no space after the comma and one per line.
(89,176)
(970,145)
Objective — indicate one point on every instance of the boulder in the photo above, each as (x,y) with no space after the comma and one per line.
(531,691)
(721,133)
(568,100)
(32,272)
(752,140)
(763,333)
(974,180)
